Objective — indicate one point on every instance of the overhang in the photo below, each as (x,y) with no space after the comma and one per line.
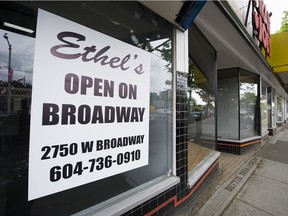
(234,46)
(180,13)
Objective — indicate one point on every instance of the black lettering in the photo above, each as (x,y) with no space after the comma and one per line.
(69,40)
(106,144)
(68,111)
(97,116)
(132,92)
(87,146)
(123,90)
(108,88)
(132,140)
(71,85)
(113,61)
(124,60)
(67,44)
(49,115)
(119,143)
(104,58)
(134,115)
(123,114)
(97,87)
(142,138)
(99,145)
(109,114)
(125,141)
(138,140)
(91,49)
(139,69)
(141,113)
(86,82)
(113,143)
(84,114)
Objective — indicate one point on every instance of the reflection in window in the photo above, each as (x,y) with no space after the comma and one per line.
(228,104)
(248,105)
(20,74)
(264,109)
(280,116)
(201,99)
(271,108)
(129,22)
(286,115)
(238,115)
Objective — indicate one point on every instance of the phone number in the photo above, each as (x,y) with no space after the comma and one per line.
(96,164)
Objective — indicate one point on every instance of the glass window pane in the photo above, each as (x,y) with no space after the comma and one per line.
(274,108)
(280,115)
(228,106)
(264,109)
(249,121)
(129,22)
(201,98)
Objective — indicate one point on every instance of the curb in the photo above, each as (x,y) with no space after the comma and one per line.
(218,202)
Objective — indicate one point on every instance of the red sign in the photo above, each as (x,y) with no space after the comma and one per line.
(261,25)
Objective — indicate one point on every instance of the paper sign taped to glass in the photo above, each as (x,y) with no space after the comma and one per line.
(90,107)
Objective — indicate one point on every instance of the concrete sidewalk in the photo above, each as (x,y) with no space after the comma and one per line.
(258,187)
(264,194)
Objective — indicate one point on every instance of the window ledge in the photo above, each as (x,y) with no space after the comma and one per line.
(118,206)
(241,140)
(202,167)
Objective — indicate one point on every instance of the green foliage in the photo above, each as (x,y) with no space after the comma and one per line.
(284,23)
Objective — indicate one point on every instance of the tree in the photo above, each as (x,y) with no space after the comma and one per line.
(284,23)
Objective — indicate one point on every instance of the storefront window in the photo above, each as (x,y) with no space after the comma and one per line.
(264,108)
(249,115)
(274,107)
(129,22)
(228,105)
(286,109)
(238,115)
(201,99)
(280,114)
(271,108)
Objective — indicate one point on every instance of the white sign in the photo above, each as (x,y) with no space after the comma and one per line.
(90,107)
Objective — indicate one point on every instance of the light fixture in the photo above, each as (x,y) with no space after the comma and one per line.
(6,36)
(137,15)
(154,22)
(10,25)
(134,39)
(114,22)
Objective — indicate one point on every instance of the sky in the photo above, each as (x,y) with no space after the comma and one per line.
(276,7)
(22,56)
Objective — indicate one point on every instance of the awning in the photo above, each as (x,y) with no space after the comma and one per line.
(234,47)
(279,56)
(181,13)
(188,12)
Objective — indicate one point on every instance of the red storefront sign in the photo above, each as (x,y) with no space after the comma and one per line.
(261,25)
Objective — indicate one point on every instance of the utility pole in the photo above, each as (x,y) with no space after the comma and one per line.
(9,75)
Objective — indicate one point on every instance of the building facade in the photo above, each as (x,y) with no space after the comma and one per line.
(123,108)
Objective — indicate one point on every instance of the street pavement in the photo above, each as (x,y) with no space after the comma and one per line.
(258,187)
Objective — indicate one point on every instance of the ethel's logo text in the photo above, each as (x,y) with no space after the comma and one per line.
(91,53)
